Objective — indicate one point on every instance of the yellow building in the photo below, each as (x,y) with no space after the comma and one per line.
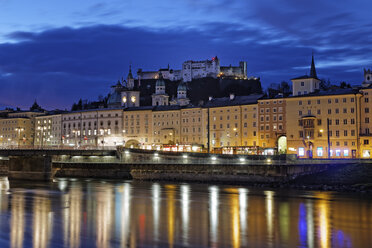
(272,125)
(193,129)
(137,127)
(170,128)
(233,125)
(166,125)
(366,123)
(308,134)
(16,132)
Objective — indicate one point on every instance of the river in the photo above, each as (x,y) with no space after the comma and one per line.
(106,213)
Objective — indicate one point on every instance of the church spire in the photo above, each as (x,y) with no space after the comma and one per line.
(130,76)
(312,69)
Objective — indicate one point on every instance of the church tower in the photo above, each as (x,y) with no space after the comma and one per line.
(160,97)
(306,84)
(130,79)
(181,99)
(367,78)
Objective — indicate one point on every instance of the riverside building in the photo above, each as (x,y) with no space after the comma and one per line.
(97,128)
(310,123)
(16,132)
(272,125)
(17,129)
(233,123)
(48,130)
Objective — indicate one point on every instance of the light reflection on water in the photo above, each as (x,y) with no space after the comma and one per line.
(80,213)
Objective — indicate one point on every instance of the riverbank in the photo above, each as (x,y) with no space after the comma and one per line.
(346,177)
(342,178)
(354,177)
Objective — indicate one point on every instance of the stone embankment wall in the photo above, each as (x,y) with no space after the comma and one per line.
(92,170)
(30,167)
(4,167)
(188,172)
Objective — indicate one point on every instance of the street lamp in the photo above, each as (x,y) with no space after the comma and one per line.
(328,139)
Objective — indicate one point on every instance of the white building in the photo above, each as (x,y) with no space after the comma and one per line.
(200,69)
(238,72)
(197,69)
(96,128)
(48,131)
(169,74)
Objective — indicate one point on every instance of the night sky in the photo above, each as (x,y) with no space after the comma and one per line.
(60,51)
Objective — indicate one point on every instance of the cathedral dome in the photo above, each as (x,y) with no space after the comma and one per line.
(115,98)
(160,81)
(181,87)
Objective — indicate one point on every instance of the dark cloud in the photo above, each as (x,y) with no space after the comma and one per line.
(59,66)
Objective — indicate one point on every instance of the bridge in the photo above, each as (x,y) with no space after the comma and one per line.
(40,164)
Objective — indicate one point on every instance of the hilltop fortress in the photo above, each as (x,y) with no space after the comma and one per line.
(197,69)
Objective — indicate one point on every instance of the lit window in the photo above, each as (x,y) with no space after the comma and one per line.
(319,151)
(301,151)
(133,99)
(338,153)
(346,153)
(366,153)
(124,99)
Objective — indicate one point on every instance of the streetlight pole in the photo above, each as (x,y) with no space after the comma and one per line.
(328,140)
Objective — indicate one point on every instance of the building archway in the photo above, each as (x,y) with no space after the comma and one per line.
(282,145)
(132,143)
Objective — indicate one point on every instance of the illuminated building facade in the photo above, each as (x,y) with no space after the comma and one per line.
(322,122)
(272,125)
(137,127)
(365,139)
(166,125)
(93,128)
(233,124)
(197,69)
(16,132)
(48,130)
(124,94)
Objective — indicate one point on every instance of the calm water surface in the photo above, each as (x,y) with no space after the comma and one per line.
(101,213)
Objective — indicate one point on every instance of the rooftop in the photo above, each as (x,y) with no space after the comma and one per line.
(237,100)
(331,92)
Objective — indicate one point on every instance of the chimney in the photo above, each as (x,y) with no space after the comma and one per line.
(232,96)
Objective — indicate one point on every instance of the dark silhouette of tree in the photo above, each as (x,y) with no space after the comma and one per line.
(275,89)
(344,85)
(324,84)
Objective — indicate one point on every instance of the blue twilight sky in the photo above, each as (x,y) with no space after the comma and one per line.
(60,51)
